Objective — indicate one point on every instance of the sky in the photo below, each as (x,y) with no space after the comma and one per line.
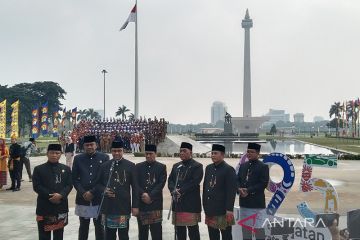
(305,54)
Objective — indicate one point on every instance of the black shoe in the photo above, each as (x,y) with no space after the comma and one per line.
(22,180)
(16,189)
(9,189)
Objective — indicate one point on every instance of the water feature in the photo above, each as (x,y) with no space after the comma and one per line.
(292,147)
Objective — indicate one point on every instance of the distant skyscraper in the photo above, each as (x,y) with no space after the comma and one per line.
(218,110)
(298,118)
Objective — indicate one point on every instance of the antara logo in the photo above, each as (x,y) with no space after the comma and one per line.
(281,222)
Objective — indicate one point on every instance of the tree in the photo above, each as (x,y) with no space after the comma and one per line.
(81,115)
(335,111)
(333,123)
(131,116)
(122,112)
(92,114)
(273,130)
(32,95)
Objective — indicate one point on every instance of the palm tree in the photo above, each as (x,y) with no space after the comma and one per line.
(92,114)
(81,115)
(335,110)
(356,115)
(122,112)
(131,116)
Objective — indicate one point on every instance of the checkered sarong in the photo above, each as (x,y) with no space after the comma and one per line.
(186,218)
(220,222)
(151,217)
(3,178)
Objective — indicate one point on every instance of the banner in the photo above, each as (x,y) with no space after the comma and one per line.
(35,122)
(55,129)
(3,119)
(63,117)
(73,116)
(15,119)
(44,119)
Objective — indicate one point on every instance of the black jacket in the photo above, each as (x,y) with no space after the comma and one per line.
(15,151)
(151,179)
(258,179)
(69,148)
(51,178)
(190,175)
(123,178)
(219,189)
(84,172)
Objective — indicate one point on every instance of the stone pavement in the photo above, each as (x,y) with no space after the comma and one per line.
(18,223)
(17,209)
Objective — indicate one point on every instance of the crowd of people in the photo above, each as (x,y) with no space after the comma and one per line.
(134,133)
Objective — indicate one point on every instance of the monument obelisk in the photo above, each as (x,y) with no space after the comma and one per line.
(247,23)
(247,125)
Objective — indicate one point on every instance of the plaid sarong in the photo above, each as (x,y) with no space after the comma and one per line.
(3,178)
(150,217)
(52,223)
(220,222)
(186,218)
(115,221)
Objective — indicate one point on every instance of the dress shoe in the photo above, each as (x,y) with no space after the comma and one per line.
(10,189)
(16,189)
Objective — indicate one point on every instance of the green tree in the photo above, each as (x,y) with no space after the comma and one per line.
(92,114)
(122,112)
(81,115)
(31,95)
(335,110)
(131,116)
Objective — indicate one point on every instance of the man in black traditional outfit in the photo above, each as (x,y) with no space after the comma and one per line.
(52,182)
(184,185)
(84,172)
(117,179)
(219,191)
(253,178)
(151,178)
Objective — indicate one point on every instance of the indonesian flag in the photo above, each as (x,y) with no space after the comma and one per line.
(131,18)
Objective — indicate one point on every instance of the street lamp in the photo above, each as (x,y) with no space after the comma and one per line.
(104,72)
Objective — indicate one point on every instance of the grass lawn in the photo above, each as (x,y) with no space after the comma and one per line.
(351,145)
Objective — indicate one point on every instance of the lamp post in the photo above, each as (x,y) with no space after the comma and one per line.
(104,72)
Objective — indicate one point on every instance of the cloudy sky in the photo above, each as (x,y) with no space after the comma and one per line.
(305,53)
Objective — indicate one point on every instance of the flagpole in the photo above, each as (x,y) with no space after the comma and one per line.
(136,66)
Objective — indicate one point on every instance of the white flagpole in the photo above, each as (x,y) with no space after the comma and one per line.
(136,109)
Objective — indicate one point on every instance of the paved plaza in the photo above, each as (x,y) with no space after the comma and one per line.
(17,218)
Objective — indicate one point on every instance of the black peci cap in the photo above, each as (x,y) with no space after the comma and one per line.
(218,147)
(54,147)
(150,148)
(186,145)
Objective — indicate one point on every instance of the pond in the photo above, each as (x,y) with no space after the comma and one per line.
(283,146)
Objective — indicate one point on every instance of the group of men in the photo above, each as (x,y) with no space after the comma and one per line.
(110,191)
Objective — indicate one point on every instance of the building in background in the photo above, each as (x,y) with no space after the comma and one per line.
(218,110)
(276,116)
(318,119)
(298,118)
